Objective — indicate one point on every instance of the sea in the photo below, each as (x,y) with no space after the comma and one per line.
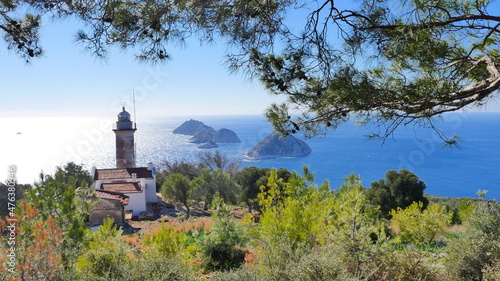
(36,145)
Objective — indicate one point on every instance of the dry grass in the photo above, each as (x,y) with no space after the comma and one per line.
(251,257)
(199,224)
(456,228)
(132,240)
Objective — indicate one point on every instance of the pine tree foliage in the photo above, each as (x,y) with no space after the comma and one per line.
(37,246)
(58,196)
(398,189)
(387,62)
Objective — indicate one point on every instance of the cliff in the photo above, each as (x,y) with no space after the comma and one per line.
(276,145)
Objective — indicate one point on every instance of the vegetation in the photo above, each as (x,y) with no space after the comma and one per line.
(419,226)
(178,189)
(4,199)
(368,60)
(298,231)
(59,197)
(398,190)
(222,247)
(211,182)
(478,249)
(38,246)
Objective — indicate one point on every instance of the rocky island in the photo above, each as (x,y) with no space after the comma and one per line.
(191,128)
(209,145)
(226,136)
(202,133)
(276,145)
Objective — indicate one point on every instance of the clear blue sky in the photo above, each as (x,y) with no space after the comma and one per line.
(68,81)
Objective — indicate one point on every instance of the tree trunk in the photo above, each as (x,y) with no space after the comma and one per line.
(188,211)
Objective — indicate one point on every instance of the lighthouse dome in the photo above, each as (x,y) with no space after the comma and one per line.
(124,122)
(124,112)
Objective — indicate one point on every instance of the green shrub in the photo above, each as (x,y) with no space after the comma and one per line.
(409,264)
(296,210)
(291,261)
(222,247)
(415,225)
(158,268)
(479,247)
(247,274)
(164,241)
(104,254)
(492,272)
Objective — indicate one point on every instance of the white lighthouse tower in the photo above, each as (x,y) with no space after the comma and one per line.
(125,146)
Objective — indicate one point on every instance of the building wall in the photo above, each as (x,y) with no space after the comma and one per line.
(150,185)
(137,203)
(125,151)
(107,208)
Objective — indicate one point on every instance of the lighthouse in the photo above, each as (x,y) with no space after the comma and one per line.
(125,146)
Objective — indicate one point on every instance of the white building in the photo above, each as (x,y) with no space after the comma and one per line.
(138,183)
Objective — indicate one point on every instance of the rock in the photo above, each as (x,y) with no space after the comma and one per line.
(203,136)
(144,215)
(226,136)
(208,145)
(276,145)
(191,127)
(202,133)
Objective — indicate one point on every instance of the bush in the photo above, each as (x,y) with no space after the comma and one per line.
(158,268)
(492,272)
(288,260)
(164,241)
(410,264)
(222,247)
(105,255)
(479,247)
(414,225)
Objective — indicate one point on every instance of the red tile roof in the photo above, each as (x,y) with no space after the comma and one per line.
(113,195)
(126,173)
(122,186)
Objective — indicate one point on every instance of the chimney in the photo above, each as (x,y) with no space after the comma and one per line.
(134,177)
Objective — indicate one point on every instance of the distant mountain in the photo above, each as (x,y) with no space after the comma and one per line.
(191,128)
(202,133)
(276,145)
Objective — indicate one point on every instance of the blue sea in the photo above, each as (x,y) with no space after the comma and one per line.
(40,144)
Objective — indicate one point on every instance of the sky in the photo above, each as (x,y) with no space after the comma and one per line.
(68,81)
